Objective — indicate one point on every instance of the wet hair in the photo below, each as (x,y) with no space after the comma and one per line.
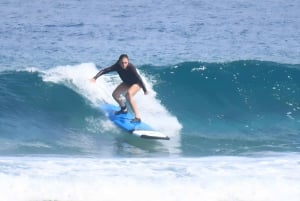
(122,56)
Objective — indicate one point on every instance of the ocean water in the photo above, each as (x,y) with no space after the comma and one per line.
(224,83)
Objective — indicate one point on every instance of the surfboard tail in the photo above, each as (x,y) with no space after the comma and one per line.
(147,134)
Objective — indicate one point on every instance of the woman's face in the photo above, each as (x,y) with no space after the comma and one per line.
(124,63)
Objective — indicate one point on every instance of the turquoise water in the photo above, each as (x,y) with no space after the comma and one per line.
(234,108)
(224,83)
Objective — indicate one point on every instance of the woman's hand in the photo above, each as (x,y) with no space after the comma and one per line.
(93,80)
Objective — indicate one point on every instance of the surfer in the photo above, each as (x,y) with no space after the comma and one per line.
(132,83)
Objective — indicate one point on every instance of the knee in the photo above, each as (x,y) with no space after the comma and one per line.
(115,95)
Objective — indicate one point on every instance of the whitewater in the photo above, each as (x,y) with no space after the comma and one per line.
(224,83)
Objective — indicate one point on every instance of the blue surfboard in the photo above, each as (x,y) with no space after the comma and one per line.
(123,121)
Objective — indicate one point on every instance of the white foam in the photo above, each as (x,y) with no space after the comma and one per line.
(212,178)
(77,78)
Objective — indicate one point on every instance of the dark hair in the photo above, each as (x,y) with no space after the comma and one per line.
(122,56)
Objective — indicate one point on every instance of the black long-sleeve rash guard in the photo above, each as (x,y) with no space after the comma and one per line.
(129,75)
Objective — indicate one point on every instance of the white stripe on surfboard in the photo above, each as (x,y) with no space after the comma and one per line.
(150,134)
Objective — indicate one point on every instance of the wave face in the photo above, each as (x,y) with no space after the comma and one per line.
(242,105)
(239,107)
(236,91)
(38,116)
(57,111)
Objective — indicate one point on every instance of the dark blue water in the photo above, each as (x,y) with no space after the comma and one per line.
(224,83)
(49,33)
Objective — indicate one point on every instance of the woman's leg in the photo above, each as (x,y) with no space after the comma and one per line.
(133,89)
(121,89)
